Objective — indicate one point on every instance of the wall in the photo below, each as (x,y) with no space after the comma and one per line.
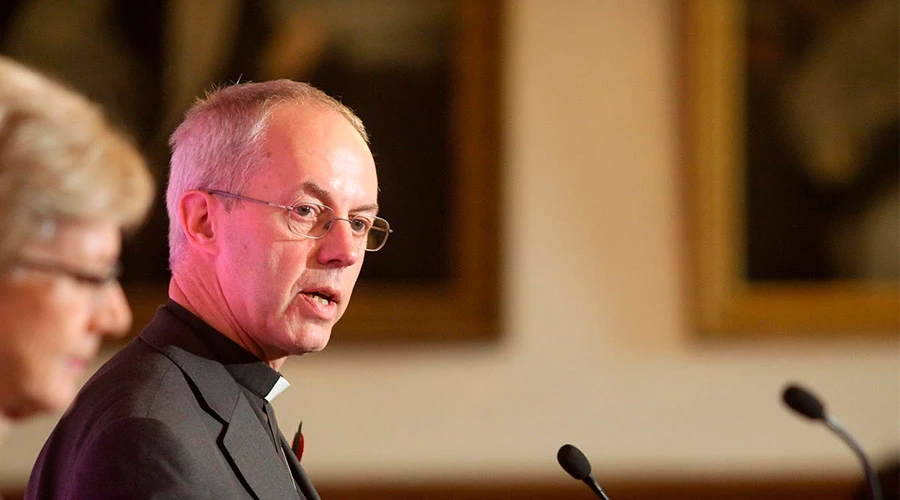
(597,347)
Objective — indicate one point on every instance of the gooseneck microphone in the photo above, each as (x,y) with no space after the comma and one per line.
(805,403)
(576,464)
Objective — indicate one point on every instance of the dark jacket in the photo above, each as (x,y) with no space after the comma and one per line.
(163,419)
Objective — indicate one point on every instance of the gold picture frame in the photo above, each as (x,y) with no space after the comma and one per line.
(726,303)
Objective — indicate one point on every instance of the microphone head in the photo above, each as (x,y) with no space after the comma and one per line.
(803,402)
(574,462)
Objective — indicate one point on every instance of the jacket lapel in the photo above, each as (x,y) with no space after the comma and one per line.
(303,481)
(247,443)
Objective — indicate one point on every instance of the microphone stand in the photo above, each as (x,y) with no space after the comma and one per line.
(592,484)
(874,485)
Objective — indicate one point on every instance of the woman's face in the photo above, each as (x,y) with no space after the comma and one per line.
(56,304)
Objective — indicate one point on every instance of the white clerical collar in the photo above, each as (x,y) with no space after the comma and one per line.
(277,389)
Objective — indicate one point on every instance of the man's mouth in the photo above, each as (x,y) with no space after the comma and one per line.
(321,298)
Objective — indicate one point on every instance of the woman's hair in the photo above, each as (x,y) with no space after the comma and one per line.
(219,145)
(61,160)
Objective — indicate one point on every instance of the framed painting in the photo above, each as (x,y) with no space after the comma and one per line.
(791,146)
(423,77)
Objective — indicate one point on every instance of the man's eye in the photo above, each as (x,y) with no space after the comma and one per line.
(306,211)
(360,225)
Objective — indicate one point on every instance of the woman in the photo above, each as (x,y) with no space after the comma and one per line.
(69,184)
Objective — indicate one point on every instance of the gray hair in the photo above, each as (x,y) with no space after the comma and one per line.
(219,145)
(60,159)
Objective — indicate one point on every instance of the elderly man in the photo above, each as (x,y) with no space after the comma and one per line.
(272,201)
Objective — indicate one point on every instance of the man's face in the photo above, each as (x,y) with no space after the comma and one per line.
(51,322)
(284,293)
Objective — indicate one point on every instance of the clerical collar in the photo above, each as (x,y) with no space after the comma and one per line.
(248,370)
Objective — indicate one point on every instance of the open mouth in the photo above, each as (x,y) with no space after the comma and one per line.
(319,298)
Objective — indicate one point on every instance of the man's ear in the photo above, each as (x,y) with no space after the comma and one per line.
(194,214)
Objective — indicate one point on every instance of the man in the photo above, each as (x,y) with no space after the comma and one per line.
(272,201)
(69,184)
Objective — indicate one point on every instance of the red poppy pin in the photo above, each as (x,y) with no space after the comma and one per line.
(299,442)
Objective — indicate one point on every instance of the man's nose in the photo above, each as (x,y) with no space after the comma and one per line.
(339,247)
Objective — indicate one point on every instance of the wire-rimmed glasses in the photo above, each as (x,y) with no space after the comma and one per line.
(313,220)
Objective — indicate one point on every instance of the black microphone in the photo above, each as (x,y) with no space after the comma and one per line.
(805,403)
(576,464)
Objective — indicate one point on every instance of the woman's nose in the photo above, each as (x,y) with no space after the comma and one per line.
(112,317)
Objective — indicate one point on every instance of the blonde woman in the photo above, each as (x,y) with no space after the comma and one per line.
(69,184)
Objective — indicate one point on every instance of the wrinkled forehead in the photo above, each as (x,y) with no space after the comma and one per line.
(312,124)
(321,147)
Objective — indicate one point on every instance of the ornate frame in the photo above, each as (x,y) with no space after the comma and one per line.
(726,304)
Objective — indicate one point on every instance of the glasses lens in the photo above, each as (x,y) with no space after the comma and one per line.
(378,235)
(311,220)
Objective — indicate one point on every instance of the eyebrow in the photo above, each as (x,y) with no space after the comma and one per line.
(325,196)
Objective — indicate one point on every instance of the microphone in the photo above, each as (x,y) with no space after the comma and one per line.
(805,403)
(576,464)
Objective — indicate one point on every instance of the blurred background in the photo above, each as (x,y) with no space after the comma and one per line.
(597,342)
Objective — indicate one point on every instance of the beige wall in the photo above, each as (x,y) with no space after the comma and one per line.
(597,349)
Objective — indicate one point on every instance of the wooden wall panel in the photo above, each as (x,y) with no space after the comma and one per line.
(669,489)
(651,489)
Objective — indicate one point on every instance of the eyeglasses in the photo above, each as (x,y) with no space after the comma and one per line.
(313,220)
(84,277)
